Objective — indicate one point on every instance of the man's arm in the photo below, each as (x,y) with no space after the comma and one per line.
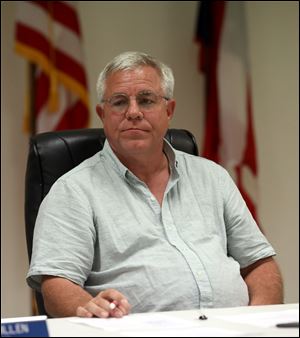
(63,298)
(264,282)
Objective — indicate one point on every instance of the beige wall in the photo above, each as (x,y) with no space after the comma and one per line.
(165,29)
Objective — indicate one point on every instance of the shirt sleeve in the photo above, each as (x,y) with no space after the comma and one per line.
(64,236)
(245,241)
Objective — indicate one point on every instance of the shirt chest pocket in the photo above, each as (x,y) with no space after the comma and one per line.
(121,235)
(202,224)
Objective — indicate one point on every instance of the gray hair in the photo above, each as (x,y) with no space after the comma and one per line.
(131,61)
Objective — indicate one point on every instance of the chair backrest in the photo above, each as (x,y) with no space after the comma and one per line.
(52,154)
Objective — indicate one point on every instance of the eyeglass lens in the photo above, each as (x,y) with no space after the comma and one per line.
(145,100)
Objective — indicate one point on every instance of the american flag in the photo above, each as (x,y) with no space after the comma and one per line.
(223,58)
(48,36)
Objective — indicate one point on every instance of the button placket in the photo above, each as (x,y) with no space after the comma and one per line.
(192,259)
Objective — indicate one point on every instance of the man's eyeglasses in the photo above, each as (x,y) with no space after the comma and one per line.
(147,101)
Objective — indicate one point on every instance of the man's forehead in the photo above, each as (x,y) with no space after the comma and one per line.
(141,76)
(138,72)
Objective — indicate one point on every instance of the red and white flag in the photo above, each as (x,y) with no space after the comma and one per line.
(223,58)
(48,36)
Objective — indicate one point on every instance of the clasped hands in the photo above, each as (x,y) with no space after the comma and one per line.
(108,303)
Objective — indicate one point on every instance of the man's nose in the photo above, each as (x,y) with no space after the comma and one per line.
(133,111)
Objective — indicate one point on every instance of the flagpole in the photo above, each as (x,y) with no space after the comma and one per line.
(32,130)
(32,94)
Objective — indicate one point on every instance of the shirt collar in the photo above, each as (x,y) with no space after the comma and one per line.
(109,154)
(171,155)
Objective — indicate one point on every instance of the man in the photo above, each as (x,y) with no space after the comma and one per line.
(142,227)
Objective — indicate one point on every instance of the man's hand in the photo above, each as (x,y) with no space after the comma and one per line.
(108,303)
(63,298)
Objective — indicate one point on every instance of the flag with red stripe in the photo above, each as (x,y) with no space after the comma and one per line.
(48,36)
(223,59)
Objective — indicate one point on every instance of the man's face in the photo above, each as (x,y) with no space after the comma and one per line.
(138,128)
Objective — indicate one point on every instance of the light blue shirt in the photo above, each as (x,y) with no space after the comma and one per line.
(101,227)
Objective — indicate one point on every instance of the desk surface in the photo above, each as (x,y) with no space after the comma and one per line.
(223,320)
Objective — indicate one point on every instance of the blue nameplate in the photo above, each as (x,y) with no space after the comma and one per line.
(35,326)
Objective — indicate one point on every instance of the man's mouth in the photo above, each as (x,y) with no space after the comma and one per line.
(134,129)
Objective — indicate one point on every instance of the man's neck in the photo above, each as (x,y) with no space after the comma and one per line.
(146,166)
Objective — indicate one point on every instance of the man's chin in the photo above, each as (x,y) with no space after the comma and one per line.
(137,144)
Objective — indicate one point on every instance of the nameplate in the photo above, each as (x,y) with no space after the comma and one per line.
(35,326)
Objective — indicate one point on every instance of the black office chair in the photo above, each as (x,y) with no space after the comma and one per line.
(52,154)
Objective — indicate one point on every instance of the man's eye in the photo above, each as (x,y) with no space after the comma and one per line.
(146,101)
(119,102)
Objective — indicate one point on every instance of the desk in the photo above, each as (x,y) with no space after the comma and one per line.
(64,327)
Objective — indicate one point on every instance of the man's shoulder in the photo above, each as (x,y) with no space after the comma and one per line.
(198,161)
(83,169)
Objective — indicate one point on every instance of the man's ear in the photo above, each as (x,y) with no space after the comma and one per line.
(100,111)
(171,108)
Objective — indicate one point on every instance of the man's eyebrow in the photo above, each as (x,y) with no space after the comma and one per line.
(145,92)
(118,93)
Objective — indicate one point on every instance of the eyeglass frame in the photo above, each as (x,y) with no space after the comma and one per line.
(142,109)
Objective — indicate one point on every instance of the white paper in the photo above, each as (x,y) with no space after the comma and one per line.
(155,325)
(136,322)
(264,319)
(184,332)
